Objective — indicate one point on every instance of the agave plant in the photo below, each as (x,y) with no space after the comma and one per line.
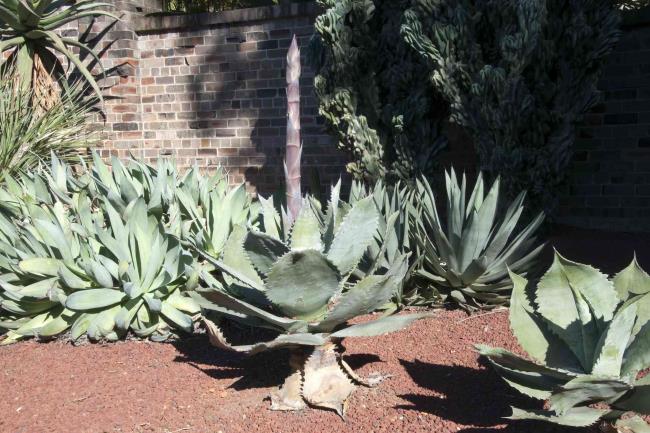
(467,257)
(589,338)
(299,279)
(30,28)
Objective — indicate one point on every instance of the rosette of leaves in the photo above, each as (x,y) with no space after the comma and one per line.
(300,280)
(210,209)
(466,257)
(31,29)
(589,340)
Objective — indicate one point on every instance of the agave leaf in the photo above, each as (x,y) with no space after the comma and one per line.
(577,301)
(40,266)
(365,296)
(585,390)
(80,326)
(354,235)
(637,355)
(305,233)
(270,217)
(613,342)
(91,299)
(381,326)
(632,281)
(178,318)
(283,341)
(533,335)
(235,257)
(527,377)
(101,325)
(127,313)
(576,417)
(638,400)
(213,299)
(263,250)
(301,284)
(479,229)
(58,324)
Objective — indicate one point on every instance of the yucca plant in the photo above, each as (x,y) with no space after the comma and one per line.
(299,280)
(589,340)
(29,135)
(467,256)
(31,29)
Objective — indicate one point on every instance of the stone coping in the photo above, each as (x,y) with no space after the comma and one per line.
(161,23)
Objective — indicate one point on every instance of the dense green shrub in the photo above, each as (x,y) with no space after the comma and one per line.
(373,90)
(516,75)
(589,338)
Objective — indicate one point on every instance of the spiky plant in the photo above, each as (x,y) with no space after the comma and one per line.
(29,135)
(301,283)
(467,256)
(31,28)
(589,340)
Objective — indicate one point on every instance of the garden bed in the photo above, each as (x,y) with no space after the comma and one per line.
(438,383)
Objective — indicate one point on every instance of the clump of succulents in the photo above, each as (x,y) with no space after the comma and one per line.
(101,253)
(589,340)
(466,256)
(301,278)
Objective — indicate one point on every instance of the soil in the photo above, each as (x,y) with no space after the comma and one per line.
(438,385)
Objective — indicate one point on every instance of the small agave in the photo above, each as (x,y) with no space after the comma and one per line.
(589,338)
(299,280)
(467,257)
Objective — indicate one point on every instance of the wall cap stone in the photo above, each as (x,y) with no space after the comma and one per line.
(163,23)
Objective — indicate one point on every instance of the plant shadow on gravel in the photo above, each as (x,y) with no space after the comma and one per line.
(475,397)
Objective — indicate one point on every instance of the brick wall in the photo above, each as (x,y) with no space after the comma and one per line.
(609,181)
(210,90)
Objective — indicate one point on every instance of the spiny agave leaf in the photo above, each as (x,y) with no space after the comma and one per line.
(381,326)
(270,217)
(301,284)
(91,299)
(533,335)
(40,266)
(632,280)
(354,235)
(527,377)
(576,417)
(263,250)
(235,257)
(233,272)
(479,229)
(637,355)
(365,296)
(577,301)
(608,356)
(638,400)
(305,233)
(217,298)
(585,390)
(283,341)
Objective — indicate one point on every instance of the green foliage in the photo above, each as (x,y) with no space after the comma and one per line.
(29,135)
(373,90)
(467,256)
(589,338)
(303,280)
(31,29)
(518,76)
(101,253)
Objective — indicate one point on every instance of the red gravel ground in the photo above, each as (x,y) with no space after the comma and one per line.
(438,384)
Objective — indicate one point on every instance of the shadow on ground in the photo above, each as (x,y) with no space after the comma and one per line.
(474,397)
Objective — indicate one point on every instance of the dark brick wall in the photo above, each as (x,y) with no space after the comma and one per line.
(609,181)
